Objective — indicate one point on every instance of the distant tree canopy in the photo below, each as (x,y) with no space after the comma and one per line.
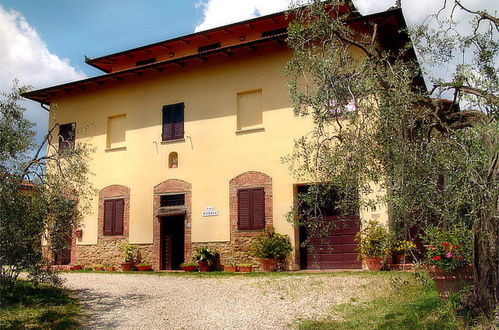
(376,127)
(42,195)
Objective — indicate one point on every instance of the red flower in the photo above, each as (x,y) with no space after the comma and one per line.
(436,258)
(431,247)
(445,244)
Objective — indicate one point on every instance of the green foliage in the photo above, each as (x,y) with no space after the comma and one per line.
(271,245)
(43,193)
(189,264)
(448,249)
(25,306)
(205,253)
(403,246)
(129,252)
(374,240)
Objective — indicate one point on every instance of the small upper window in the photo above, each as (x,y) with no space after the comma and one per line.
(67,134)
(172,200)
(173,122)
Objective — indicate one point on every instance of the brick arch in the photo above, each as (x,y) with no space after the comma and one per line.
(111,192)
(250,179)
(165,187)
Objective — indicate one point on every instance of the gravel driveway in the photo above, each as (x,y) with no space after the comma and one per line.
(138,301)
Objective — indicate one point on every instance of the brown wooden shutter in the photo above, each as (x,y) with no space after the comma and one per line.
(173,122)
(119,209)
(258,208)
(178,119)
(108,217)
(244,209)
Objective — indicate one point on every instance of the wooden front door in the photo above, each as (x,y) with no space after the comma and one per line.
(172,242)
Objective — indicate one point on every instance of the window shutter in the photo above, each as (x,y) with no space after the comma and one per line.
(178,131)
(108,217)
(118,216)
(258,208)
(67,134)
(244,209)
(167,123)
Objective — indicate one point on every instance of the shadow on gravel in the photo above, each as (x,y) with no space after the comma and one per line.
(99,306)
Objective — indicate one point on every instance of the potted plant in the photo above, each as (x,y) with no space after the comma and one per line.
(189,266)
(271,247)
(128,256)
(204,256)
(109,268)
(401,249)
(374,245)
(244,268)
(97,267)
(77,267)
(143,267)
(230,267)
(449,254)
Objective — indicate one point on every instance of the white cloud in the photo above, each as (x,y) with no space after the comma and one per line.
(222,12)
(25,56)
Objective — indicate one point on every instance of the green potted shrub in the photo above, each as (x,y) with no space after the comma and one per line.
(143,267)
(374,245)
(271,247)
(190,266)
(128,256)
(204,256)
(449,254)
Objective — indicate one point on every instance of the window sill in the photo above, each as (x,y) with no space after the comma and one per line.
(173,141)
(114,149)
(249,130)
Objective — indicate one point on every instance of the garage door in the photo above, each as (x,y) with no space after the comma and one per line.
(332,246)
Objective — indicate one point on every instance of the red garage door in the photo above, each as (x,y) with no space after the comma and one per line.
(332,246)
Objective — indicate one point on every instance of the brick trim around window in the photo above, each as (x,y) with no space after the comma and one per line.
(114,191)
(167,187)
(250,179)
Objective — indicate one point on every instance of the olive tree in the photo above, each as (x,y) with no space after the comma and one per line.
(377,127)
(43,192)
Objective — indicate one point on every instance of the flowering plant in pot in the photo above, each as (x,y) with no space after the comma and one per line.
(189,266)
(97,267)
(109,268)
(143,267)
(204,256)
(374,245)
(271,247)
(401,249)
(449,255)
(128,256)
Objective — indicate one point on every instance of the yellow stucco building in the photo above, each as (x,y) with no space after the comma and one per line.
(188,136)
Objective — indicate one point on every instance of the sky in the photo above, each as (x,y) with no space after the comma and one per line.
(43,42)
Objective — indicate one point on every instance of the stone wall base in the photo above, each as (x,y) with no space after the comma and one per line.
(108,252)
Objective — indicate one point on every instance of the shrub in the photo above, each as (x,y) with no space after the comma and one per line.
(271,246)
(205,253)
(128,252)
(448,249)
(374,241)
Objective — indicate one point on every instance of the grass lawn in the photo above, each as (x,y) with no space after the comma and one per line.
(25,306)
(400,302)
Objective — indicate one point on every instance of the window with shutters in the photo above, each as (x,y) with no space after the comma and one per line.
(173,122)
(67,134)
(251,209)
(114,210)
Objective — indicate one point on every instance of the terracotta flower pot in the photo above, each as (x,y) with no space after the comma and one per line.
(230,268)
(204,266)
(374,263)
(244,269)
(127,266)
(268,265)
(450,282)
(97,268)
(400,258)
(189,268)
(144,268)
(77,267)
(109,269)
